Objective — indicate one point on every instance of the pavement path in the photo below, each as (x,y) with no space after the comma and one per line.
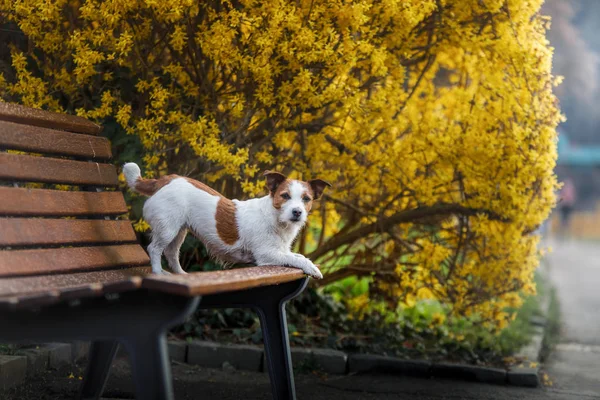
(574,269)
(212,384)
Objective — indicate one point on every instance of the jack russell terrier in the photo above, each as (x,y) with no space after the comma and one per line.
(259,231)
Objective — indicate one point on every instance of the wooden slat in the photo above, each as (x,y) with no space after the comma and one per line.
(48,141)
(42,232)
(63,260)
(57,203)
(66,284)
(205,283)
(31,116)
(15,167)
(43,290)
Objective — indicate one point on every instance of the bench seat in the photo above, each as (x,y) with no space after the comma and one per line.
(213,282)
(43,290)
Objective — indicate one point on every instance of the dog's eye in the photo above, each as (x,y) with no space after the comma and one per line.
(285,196)
(306,199)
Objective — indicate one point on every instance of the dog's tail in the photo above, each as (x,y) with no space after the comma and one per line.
(133,175)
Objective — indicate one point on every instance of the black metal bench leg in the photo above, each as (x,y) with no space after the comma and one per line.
(277,350)
(101,356)
(151,368)
(271,311)
(269,303)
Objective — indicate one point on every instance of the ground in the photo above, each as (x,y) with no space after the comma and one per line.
(211,384)
(574,368)
(574,270)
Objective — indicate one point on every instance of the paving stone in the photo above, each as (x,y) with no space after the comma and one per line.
(13,371)
(531,352)
(59,354)
(80,350)
(538,320)
(539,330)
(37,360)
(469,372)
(376,363)
(177,351)
(490,375)
(228,367)
(302,358)
(213,355)
(522,376)
(331,361)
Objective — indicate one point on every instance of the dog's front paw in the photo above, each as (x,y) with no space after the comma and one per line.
(311,269)
(161,272)
(182,272)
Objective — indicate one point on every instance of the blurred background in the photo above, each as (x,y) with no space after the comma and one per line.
(574,36)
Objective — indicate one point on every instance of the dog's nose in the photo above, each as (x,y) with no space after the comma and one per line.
(296,212)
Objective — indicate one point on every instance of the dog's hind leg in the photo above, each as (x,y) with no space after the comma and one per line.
(172,252)
(160,240)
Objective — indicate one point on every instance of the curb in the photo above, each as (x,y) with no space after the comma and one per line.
(230,357)
(29,362)
(528,373)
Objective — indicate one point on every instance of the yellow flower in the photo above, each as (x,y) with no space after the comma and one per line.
(141,226)
(438,319)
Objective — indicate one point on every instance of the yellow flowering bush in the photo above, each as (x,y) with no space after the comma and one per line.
(434,119)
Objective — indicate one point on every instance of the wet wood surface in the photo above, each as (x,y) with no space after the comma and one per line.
(25,168)
(46,202)
(34,139)
(41,232)
(69,259)
(30,116)
(24,292)
(205,283)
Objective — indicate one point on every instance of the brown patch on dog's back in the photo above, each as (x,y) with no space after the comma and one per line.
(283,187)
(227,228)
(150,186)
(204,187)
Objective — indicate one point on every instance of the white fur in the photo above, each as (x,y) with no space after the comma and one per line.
(132,173)
(265,233)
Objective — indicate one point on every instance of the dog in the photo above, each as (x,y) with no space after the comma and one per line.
(258,231)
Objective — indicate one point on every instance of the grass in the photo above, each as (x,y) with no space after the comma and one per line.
(552,334)
(520,331)
(348,288)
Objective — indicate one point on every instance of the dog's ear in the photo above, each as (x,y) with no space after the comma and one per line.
(318,185)
(274,179)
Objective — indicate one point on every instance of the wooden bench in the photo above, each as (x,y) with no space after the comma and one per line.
(71,269)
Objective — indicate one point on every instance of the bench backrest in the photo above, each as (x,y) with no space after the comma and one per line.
(51,229)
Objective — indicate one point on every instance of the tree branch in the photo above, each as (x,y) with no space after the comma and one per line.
(384,224)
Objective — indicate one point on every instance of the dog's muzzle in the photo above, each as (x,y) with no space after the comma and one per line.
(296,215)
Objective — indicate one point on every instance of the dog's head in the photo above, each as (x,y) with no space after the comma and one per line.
(293,198)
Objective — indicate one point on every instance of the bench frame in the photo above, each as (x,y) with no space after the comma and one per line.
(140,320)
